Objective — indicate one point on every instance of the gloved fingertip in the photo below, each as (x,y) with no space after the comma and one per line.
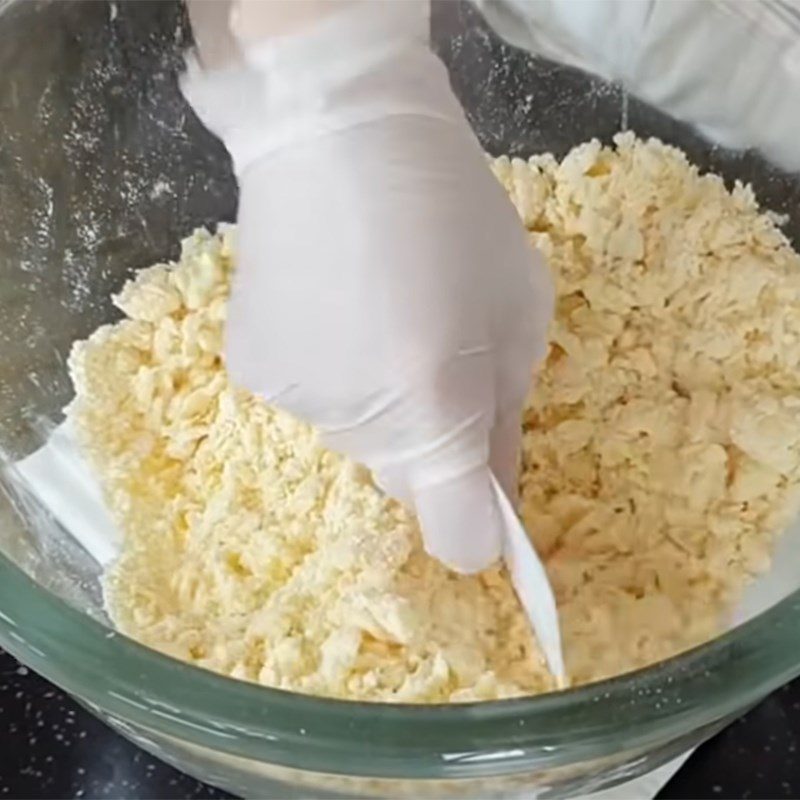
(461,525)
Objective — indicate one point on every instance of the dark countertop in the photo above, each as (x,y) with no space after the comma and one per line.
(50,747)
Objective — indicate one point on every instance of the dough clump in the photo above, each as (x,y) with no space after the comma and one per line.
(661,457)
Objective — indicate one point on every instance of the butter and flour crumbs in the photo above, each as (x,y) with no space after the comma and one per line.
(661,457)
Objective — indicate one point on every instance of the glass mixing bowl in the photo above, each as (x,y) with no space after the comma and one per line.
(103,168)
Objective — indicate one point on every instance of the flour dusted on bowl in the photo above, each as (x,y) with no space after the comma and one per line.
(660,457)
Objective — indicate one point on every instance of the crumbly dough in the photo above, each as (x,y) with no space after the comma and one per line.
(661,457)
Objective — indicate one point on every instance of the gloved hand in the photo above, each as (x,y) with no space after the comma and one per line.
(385,290)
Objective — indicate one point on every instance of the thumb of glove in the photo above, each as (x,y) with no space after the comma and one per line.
(427,440)
(468,523)
(461,521)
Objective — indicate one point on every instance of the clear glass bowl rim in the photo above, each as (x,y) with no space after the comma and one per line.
(639,710)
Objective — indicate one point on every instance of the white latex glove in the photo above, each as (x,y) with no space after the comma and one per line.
(385,290)
(730,67)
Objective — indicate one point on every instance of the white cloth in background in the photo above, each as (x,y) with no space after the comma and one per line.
(729,67)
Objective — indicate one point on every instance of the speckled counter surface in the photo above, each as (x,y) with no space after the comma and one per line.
(51,748)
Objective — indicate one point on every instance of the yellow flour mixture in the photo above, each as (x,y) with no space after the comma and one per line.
(661,457)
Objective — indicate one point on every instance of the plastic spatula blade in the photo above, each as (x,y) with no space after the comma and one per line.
(532,586)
